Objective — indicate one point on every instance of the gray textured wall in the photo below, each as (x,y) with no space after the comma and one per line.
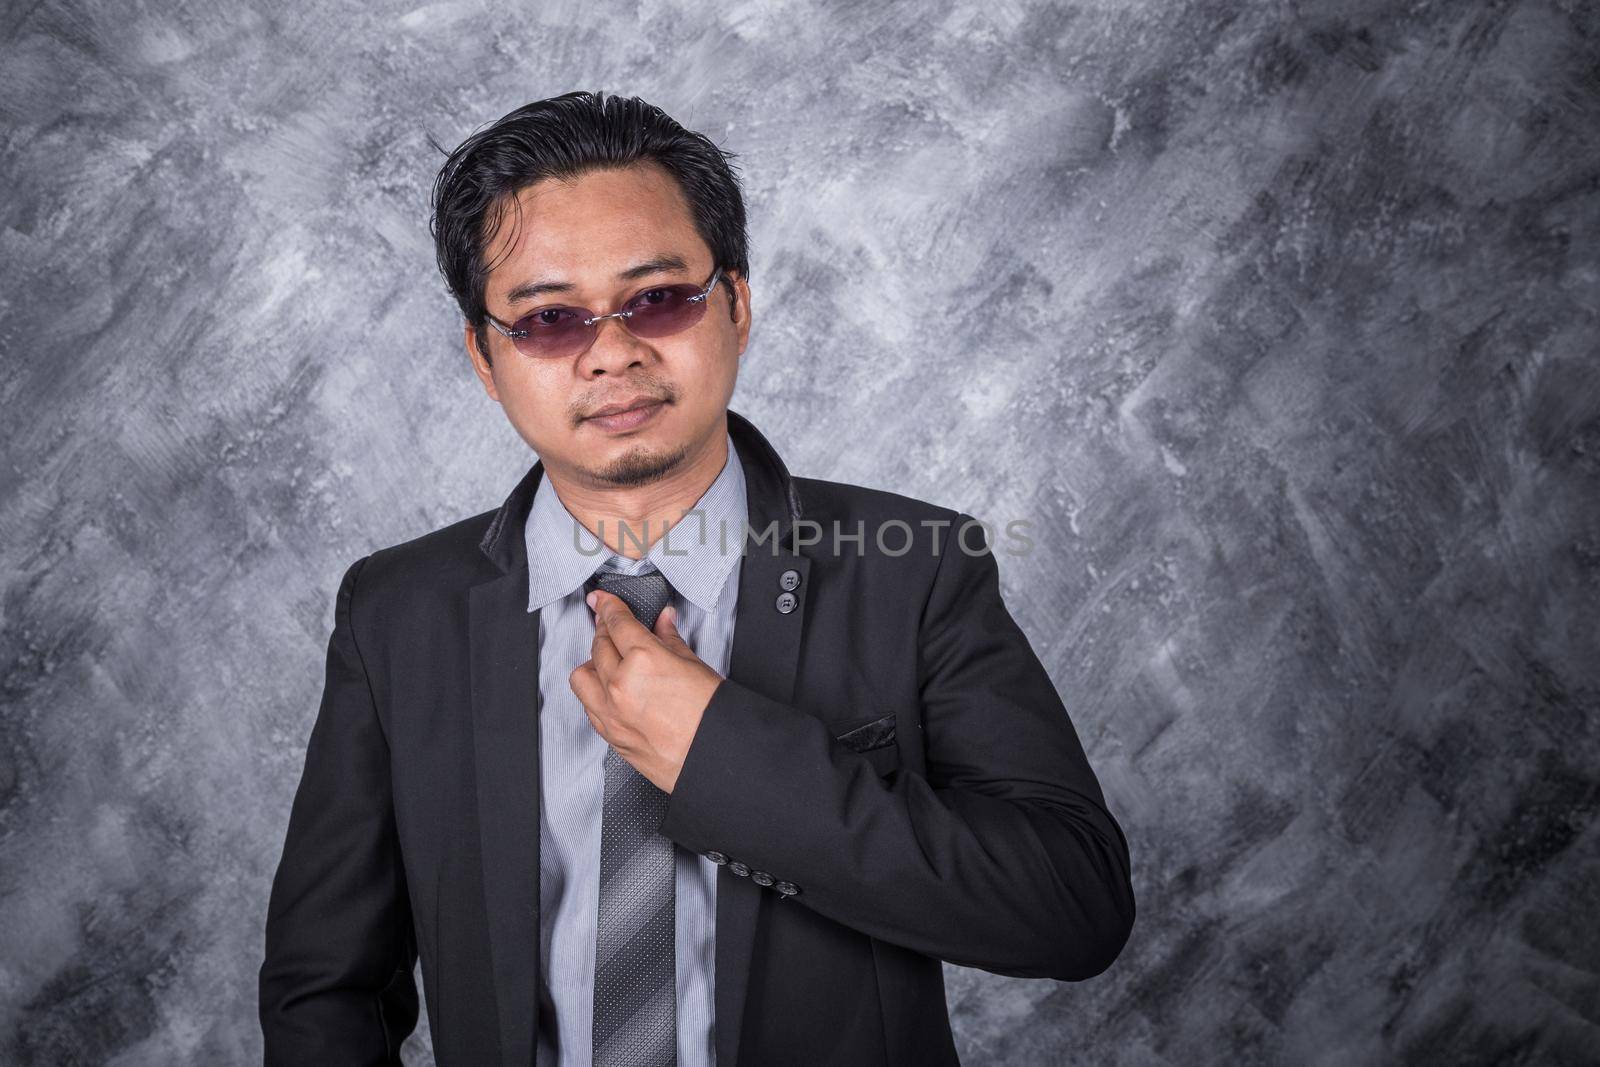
(1278,318)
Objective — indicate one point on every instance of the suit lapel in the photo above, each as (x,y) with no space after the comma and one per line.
(504,652)
(766,646)
(766,649)
(505,687)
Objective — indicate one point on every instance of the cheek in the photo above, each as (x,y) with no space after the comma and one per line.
(710,358)
(529,385)
(530,396)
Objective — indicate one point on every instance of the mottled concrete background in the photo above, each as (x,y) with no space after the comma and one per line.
(1278,319)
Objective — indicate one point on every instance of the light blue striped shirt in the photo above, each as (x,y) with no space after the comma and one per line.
(562,554)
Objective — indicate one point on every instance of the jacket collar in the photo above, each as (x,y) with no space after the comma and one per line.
(770,495)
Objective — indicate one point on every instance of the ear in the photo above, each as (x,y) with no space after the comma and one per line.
(480,366)
(739,311)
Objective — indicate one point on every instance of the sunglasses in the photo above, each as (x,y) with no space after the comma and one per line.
(555,332)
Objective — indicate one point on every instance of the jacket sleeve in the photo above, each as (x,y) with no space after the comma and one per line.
(336,984)
(1003,857)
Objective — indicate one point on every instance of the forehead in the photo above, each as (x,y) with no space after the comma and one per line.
(586,228)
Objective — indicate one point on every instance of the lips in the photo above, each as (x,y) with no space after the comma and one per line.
(626,405)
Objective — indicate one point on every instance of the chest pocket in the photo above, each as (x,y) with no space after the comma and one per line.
(874,738)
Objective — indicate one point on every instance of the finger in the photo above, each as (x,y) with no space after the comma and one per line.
(625,631)
(588,688)
(667,631)
(603,651)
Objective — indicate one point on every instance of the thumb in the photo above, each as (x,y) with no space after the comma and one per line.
(667,631)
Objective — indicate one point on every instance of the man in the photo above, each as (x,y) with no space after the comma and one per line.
(642,767)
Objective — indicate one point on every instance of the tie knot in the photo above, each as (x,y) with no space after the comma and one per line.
(646,595)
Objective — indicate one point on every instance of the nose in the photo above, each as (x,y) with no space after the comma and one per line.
(613,350)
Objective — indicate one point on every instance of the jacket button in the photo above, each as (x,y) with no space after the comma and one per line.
(789,579)
(738,868)
(761,877)
(716,857)
(786,602)
(788,889)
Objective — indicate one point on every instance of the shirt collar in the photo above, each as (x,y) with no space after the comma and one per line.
(563,553)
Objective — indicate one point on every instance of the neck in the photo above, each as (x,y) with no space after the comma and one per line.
(630,519)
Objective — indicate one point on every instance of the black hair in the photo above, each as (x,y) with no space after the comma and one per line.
(563,137)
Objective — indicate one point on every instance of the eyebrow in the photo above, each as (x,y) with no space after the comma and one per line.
(659,263)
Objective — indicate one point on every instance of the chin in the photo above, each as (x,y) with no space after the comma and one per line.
(639,463)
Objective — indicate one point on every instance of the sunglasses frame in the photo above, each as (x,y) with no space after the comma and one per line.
(512,333)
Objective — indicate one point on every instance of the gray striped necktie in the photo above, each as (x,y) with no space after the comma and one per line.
(635,973)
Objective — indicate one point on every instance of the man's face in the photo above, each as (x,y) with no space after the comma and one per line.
(584,234)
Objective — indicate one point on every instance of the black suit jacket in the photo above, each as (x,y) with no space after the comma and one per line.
(891,747)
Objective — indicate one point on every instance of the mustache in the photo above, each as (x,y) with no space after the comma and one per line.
(639,385)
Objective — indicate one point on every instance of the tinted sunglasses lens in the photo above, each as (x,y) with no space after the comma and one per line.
(552,332)
(667,310)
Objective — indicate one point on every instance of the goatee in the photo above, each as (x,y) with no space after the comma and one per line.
(640,466)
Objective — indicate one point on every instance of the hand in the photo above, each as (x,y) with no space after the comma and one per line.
(644,691)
